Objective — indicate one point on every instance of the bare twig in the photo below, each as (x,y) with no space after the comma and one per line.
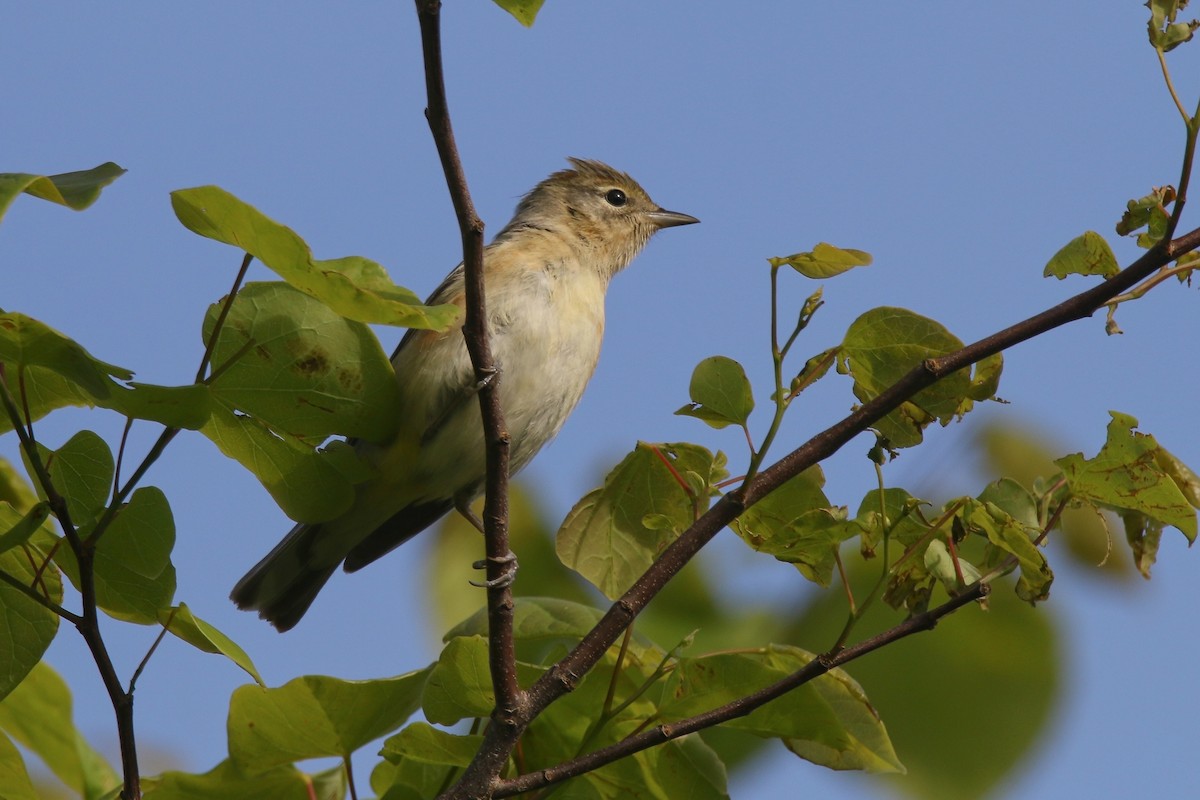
(219,323)
(510,700)
(740,707)
(168,434)
(38,598)
(88,623)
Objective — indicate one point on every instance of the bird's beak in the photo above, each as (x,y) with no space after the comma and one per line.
(669,219)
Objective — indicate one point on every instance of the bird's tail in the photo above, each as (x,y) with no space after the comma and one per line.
(283,585)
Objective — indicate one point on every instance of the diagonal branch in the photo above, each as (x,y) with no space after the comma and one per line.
(565,675)
(502,657)
(743,705)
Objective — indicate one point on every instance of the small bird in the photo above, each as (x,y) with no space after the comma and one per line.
(545,278)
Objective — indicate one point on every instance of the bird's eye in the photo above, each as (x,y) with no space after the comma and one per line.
(615,197)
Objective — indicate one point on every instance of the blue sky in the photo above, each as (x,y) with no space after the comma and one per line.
(961,151)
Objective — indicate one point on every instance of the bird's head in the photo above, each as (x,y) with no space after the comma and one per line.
(604,212)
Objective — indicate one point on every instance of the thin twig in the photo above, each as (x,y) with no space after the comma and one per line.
(40,599)
(168,434)
(141,667)
(510,700)
(219,323)
(88,624)
(740,707)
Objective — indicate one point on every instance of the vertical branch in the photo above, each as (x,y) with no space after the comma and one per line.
(88,622)
(509,698)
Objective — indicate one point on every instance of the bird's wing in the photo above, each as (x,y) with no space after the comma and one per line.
(402,526)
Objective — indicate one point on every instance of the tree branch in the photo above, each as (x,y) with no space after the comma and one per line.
(743,705)
(563,676)
(88,623)
(41,600)
(510,701)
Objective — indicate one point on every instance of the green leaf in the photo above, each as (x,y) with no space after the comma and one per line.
(354,287)
(883,345)
(544,628)
(1028,456)
(1165,33)
(1126,476)
(141,535)
(554,736)
(1014,500)
(38,715)
(523,10)
(58,372)
(681,768)
(1086,254)
(423,743)
(541,618)
(460,683)
(827,721)
(824,261)
(18,528)
(1011,537)
(796,524)
(186,407)
(409,779)
(720,393)
(1181,474)
(1147,212)
(13,775)
(897,514)
(14,489)
(1003,665)
(291,372)
(75,190)
(814,369)
(604,537)
(204,637)
(227,781)
(1144,536)
(685,767)
(82,472)
(310,485)
(292,363)
(986,379)
(314,716)
(25,342)
(132,566)
(942,564)
(26,626)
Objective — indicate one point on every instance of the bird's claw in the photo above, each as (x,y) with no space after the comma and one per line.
(502,581)
(489,375)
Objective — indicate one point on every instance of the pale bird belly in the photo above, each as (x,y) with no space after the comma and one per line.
(540,389)
(545,361)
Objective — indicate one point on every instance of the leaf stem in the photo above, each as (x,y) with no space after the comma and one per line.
(137,673)
(781,403)
(211,344)
(1155,279)
(1162,63)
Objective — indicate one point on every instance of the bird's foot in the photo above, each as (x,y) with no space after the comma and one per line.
(506,579)
(489,375)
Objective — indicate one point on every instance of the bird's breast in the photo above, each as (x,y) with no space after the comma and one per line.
(546,332)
